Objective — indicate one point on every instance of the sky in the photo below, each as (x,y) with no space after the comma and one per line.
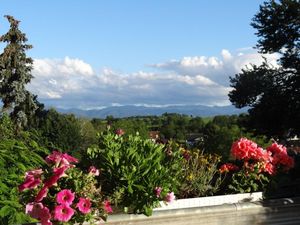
(98,53)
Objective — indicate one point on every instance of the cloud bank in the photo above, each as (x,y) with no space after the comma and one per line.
(73,83)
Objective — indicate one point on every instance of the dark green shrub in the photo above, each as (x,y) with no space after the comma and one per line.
(132,167)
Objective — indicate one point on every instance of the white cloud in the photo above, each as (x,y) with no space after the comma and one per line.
(203,80)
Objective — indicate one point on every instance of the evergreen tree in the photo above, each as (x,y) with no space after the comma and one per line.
(15,73)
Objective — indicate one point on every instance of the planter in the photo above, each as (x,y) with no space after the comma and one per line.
(211,201)
(239,209)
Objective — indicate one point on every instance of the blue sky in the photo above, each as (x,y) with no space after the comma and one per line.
(97,53)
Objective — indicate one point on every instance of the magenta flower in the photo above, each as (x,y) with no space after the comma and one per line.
(29,183)
(157,191)
(58,173)
(63,213)
(170,197)
(60,159)
(84,205)
(42,194)
(94,171)
(33,209)
(65,197)
(107,206)
(45,216)
(120,132)
(32,179)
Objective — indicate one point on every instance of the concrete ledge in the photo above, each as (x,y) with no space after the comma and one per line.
(285,211)
(279,211)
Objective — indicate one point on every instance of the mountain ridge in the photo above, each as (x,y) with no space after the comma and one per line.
(132,110)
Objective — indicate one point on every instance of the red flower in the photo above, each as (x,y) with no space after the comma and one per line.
(42,194)
(107,207)
(228,167)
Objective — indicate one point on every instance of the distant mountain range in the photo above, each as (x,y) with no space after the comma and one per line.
(131,110)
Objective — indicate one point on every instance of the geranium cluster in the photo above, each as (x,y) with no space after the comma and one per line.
(52,200)
(272,160)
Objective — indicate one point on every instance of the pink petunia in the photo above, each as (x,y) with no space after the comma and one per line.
(60,159)
(157,191)
(32,179)
(41,194)
(107,207)
(65,197)
(45,216)
(33,209)
(63,213)
(29,183)
(170,197)
(94,171)
(84,205)
(120,132)
(58,173)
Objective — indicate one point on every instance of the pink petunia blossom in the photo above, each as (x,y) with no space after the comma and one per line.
(84,205)
(65,197)
(45,216)
(94,171)
(41,194)
(170,197)
(120,132)
(60,159)
(35,173)
(63,213)
(29,183)
(32,179)
(33,209)
(58,173)
(107,207)
(157,191)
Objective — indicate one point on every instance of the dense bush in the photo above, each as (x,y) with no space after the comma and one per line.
(15,159)
(136,172)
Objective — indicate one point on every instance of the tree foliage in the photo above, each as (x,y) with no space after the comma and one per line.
(15,73)
(273,93)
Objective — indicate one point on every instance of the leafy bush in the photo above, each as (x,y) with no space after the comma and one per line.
(15,159)
(133,169)
(201,176)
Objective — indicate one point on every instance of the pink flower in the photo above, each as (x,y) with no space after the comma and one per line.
(65,197)
(170,197)
(38,211)
(120,132)
(45,216)
(58,173)
(32,179)
(107,206)
(60,159)
(42,194)
(33,209)
(244,149)
(157,191)
(35,173)
(94,171)
(84,205)
(63,213)
(29,183)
